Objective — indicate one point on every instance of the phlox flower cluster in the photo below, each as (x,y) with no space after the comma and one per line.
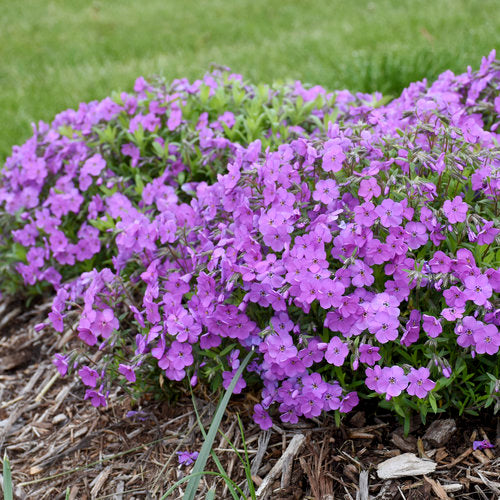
(353,258)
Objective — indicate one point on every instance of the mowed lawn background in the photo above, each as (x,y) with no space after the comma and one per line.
(57,53)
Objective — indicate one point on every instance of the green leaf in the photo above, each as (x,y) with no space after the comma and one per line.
(248,472)
(432,401)
(160,152)
(108,192)
(139,185)
(204,94)
(138,136)
(406,425)
(7,479)
(19,252)
(210,495)
(103,225)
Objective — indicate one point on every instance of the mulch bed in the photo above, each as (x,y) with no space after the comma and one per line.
(58,443)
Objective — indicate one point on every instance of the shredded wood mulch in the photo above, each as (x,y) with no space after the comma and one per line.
(59,444)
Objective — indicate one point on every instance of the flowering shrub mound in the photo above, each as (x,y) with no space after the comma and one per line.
(352,244)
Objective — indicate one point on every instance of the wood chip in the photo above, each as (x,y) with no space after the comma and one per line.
(35,470)
(360,435)
(291,451)
(441,454)
(257,480)
(119,491)
(261,450)
(47,387)
(15,358)
(362,493)
(15,312)
(408,444)
(490,484)
(440,432)
(437,488)
(407,464)
(481,456)
(99,481)
(453,488)
(59,418)
(73,493)
(461,457)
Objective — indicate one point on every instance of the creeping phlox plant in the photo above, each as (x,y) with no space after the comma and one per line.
(351,244)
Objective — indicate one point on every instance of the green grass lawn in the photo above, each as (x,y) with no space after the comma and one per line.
(57,53)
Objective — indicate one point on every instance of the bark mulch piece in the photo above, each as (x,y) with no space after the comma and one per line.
(58,443)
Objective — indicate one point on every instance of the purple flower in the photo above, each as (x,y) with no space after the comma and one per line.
(392,381)
(132,151)
(280,347)
(310,406)
(186,458)
(314,384)
(349,402)
(419,383)
(331,397)
(384,326)
(127,371)
(336,352)
(362,275)
(369,354)
(105,323)
(365,214)
(88,375)
(180,355)
(390,213)
(455,210)
(227,378)
(432,326)
(487,338)
(373,378)
(481,445)
(417,235)
(478,289)
(282,323)
(261,417)
(326,191)
(333,159)
(412,331)
(61,363)
(368,189)
(467,330)
(96,398)
(440,262)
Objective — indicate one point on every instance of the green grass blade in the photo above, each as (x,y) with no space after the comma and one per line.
(210,495)
(215,458)
(198,476)
(212,433)
(248,472)
(231,445)
(7,479)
